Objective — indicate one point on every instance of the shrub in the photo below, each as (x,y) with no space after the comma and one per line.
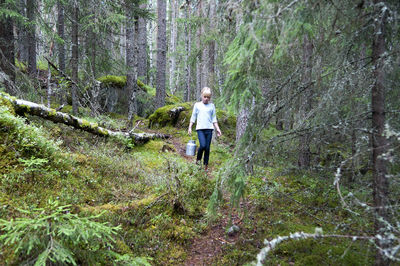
(55,235)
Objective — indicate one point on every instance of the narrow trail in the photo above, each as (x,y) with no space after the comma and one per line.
(206,248)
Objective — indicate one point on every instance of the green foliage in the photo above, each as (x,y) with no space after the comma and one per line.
(54,234)
(28,140)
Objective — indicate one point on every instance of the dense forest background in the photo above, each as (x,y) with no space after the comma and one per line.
(308,98)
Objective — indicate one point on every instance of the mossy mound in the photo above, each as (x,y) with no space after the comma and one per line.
(120,83)
(167,116)
(113,81)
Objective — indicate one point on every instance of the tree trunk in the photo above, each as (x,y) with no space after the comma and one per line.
(22,38)
(380,184)
(151,37)
(142,48)
(199,67)
(31,37)
(188,44)
(74,58)
(131,76)
(211,46)
(174,38)
(7,54)
(91,51)
(243,112)
(61,34)
(241,123)
(161,52)
(306,105)
(204,47)
(25,107)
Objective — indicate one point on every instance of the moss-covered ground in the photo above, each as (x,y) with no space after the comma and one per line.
(159,197)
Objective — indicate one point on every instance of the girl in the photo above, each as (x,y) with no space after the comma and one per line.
(205,114)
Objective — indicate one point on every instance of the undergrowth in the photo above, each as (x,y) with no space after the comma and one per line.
(148,203)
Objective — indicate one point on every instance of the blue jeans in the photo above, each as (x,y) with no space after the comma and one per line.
(205,136)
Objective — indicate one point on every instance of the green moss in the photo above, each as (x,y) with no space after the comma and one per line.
(227,124)
(146,88)
(172,99)
(113,81)
(7,103)
(21,66)
(52,112)
(163,116)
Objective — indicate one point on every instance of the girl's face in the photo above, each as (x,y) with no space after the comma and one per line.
(205,98)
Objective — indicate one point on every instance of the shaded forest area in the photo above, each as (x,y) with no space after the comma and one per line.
(308,101)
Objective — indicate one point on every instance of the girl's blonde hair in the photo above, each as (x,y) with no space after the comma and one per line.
(206,91)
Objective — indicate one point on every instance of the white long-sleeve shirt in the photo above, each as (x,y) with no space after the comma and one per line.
(205,115)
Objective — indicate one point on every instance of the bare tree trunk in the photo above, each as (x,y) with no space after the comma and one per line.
(304,147)
(150,40)
(131,76)
(7,54)
(22,43)
(31,36)
(204,48)
(74,58)
(380,182)
(142,48)
(122,46)
(199,67)
(211,46)
(61,34)
(174,40)
(161,52)
(188,44)
(92,51)
(244,110)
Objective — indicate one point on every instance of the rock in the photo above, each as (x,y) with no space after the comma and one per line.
(233,230)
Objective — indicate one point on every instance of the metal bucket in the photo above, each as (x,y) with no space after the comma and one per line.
(191,148)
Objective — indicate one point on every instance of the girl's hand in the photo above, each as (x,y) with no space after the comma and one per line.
(219,134)
(190,131)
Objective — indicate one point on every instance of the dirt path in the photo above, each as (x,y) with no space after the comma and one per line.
(206,248)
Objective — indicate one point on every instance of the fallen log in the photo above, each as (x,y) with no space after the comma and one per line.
(23,107)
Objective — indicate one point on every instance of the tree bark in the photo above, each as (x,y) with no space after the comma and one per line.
(142,47)
(199,66)
(151,37)
(306,106)
(380,182)
(23,107)
(131,76)
(174,38)
(61,34)
(31,37)
(242,118)
(74,58)
(211,46)
(188,45)
(161,52)
(204,47)
(22,38)
(7,54)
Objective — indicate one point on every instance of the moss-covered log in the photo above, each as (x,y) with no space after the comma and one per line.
(23,107)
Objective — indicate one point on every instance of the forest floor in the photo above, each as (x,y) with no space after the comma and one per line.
(206,248)
(160,198)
